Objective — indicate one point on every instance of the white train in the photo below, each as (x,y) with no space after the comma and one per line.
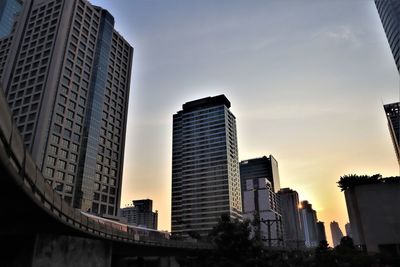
(137,232)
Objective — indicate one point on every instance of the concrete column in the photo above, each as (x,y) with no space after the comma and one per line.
(168,262)
(68,251)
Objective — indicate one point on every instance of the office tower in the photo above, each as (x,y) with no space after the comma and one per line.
(393,117)
(321,234)
(389,12)
(293,232)
(336,233)
(260,168)
(260,199)
(141,213)
(67,78)
(205,166)
(309,222)
(347,227)
(9,9)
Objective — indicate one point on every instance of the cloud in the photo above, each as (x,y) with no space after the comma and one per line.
(340,34)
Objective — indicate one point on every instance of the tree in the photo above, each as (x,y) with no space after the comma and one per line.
(324,256)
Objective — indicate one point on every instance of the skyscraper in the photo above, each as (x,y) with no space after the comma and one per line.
(289,208)
(337,233)
(321,231)
(309,222)
(393,117)
(66,76)
(265,167)
(205,166)
(389,12)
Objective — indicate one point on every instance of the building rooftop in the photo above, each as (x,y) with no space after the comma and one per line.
(207,101)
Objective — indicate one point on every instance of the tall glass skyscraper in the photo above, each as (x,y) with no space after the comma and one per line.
(205,166)
(66,75)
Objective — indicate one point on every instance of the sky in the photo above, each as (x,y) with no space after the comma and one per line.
(306,80)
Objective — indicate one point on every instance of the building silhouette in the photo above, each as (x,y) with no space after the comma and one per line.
(66,75)
(337,233)
(141,213)
(265,167)
(374,216)
(393,117)
(205,166)
(289,208)
(321,233)
(260,200)
(309,222)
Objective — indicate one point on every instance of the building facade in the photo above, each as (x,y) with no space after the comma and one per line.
(393,117)
(309,222)
(66,75)
(260,168)
(260,200)
(141,214)
(289,207)
(205,166)
(374,216)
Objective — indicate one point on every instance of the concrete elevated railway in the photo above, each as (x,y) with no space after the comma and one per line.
(38,228)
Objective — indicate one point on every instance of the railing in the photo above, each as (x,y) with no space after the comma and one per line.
(23,170)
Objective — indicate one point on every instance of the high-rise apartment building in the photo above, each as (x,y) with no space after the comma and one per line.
(289,208)
(260,200)
(265,167)
(321,234)
(205,166)
(141,213)
(337,233)
(66,75)
(309,222)
(393,117)
(389,12)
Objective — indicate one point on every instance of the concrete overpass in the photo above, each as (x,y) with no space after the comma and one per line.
(38,228)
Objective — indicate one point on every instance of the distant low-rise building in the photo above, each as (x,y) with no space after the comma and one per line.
(141,214)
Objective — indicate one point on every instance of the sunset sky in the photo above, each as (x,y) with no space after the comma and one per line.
(306,80)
